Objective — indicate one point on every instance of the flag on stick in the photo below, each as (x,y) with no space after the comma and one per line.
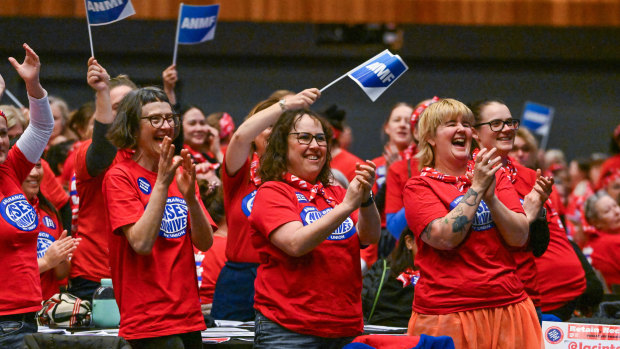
(376,74)
(196,24)
(101,12)
(538,119)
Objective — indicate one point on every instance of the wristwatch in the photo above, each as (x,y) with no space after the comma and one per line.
(370,201)
(282,104)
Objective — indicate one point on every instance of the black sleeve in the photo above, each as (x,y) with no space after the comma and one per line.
(593,295)
(101,152)
(539,236)
(65,216)
(380,198)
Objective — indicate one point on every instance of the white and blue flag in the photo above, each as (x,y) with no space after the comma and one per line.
(101,12)
(537,118)
(197,23)
(378,73)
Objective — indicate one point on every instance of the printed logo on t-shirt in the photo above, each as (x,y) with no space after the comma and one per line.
(247,203)
(310,214)
(301,198)
(18,212)
(44,241)
(49,222)
(174,222)
(144,185)
(482,220)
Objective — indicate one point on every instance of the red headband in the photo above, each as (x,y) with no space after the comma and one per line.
(227,125)
(415,116)
(4,116)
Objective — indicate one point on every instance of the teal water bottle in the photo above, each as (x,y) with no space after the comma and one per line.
(105,309)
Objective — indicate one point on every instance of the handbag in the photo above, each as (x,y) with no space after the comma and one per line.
(65,310)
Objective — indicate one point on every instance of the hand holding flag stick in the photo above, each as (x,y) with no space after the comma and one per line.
(376,74)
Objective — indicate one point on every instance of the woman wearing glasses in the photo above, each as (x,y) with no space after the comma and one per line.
(308,235)
(551,292)
(495,128)
(464,225)
(155,217)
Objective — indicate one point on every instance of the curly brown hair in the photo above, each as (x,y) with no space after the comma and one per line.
(273,164)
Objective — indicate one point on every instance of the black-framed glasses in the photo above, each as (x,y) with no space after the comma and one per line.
(498,125)
(157,120)
(306,138)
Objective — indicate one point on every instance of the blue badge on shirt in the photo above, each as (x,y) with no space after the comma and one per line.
(174,221)
(44,241)
(49,222)
(309,214)
(301,198)
(247,203)
(482,220)
(18,212)
(144,185)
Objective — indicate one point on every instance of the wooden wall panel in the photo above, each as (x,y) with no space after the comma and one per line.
(559,13)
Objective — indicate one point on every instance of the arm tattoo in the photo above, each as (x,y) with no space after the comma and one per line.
(470,197)
(427,230)
(460,221)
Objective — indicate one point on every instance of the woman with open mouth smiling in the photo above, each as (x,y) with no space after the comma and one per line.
(463,223)
(308,233)
(550,292)
(155,217)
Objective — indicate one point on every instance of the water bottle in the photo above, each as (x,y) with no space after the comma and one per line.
(105,310)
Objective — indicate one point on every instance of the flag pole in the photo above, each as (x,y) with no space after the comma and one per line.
(14,99)
(333,82)
(545,139)
(90,35)
(176,37)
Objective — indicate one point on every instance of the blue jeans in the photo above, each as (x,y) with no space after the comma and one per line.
(233,298)
(268,334)
(13,329)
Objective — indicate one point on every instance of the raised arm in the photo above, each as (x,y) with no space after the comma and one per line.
(142,234)
(201,230)
(170,77)
(446,233)
(241,142)
(101,152)
(2,86)
(34,139)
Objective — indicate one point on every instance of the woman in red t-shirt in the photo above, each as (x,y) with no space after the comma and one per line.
(156,217)
(203,143)
(308,235)
(468,288)
(233,298)
(603,212)
(54,247)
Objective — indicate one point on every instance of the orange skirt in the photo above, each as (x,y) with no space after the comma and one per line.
(512,326)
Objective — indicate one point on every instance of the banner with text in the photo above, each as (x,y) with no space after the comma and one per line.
(101,12)
(197,23)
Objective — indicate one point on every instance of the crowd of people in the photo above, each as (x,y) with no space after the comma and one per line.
(462,227)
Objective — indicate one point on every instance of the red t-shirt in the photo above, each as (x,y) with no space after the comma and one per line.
(345,163)
(480,272)
(68,168)
(397,177)
(239,192)
(319,293)
(157,293)
(211,264)
(90,261)
(526,264)
(608,166)
(51,188)
(604,256)
(49,231)
(19,275)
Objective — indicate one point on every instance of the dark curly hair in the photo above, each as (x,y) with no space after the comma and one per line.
(273,162)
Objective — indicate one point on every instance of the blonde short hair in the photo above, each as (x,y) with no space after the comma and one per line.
(434,116)
(14,116)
